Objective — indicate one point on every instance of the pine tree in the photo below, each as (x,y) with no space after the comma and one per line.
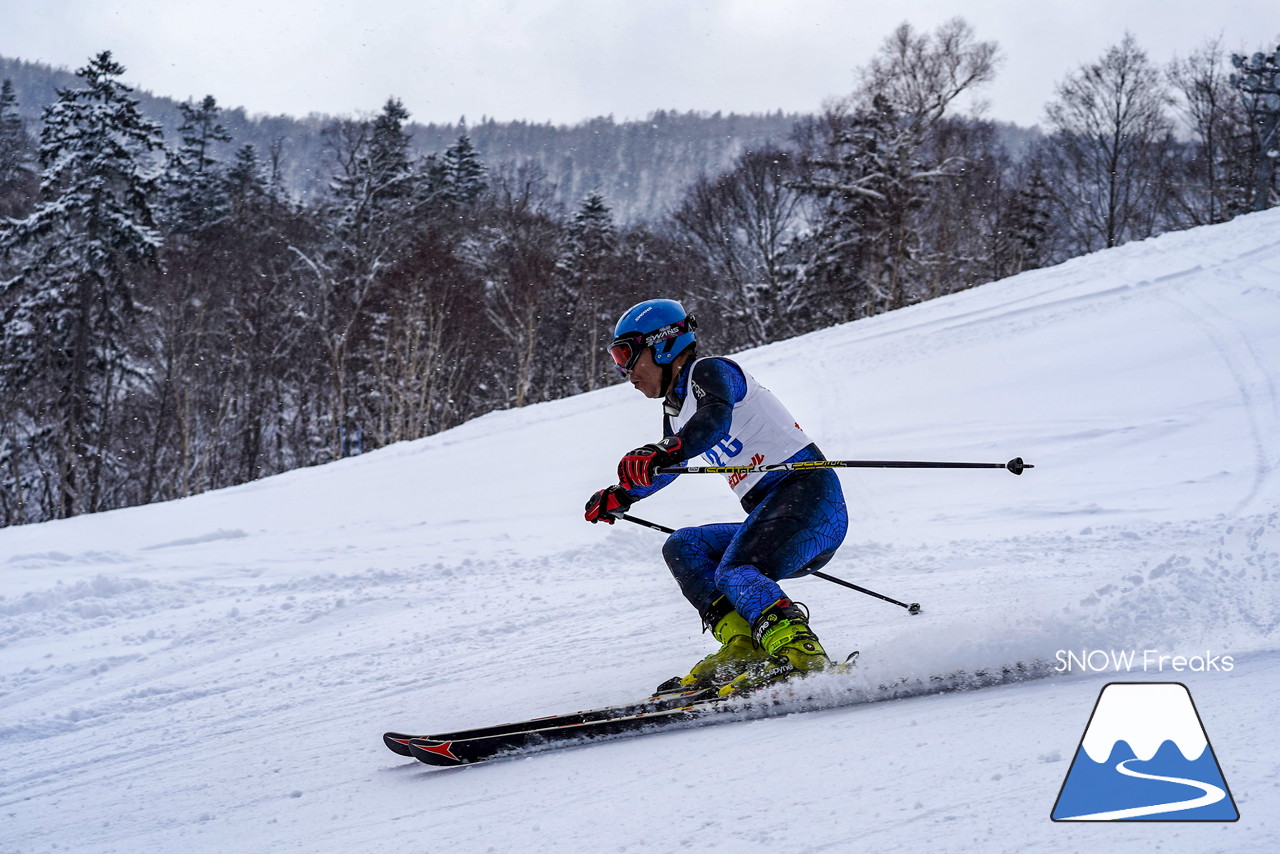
(15,145)
(587,263)
(17,156)
(68,312)
(464,173)
(389,168)
(373,216)
(1028,224)
(862,178)
(245,185)
(196,192)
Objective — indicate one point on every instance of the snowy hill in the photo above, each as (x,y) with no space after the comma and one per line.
(214,674)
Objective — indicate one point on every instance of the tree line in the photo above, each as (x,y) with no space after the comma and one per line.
(640,165)
(175,322)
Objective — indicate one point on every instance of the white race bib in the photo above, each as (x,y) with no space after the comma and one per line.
(762,432)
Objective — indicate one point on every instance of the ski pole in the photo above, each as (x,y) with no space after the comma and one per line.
(913,608)
(1015,465)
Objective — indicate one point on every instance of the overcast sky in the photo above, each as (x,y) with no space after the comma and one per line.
(568,60)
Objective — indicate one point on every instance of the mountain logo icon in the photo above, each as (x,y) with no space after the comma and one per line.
(1145,756)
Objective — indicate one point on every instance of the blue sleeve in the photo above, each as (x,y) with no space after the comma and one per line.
(659,481)
(716,385)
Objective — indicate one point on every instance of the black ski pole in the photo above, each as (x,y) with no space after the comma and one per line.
(913,608)
(1015,465)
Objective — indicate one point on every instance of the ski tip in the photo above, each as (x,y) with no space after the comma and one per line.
(398,742)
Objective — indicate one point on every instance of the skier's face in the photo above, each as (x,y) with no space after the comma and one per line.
(646,376)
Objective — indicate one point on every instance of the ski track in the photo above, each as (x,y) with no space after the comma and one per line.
(215,674)
(1256,386)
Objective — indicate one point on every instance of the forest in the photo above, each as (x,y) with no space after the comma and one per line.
(181,314)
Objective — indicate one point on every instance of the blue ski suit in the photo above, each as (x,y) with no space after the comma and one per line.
(795,520)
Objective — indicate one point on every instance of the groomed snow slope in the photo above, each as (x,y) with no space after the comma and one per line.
(214,674)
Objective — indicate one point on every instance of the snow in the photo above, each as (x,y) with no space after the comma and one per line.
(215,673)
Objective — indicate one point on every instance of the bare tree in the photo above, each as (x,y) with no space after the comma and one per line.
(1111,138)
(1215,117)
(514,253)
(921,74)
(742,223)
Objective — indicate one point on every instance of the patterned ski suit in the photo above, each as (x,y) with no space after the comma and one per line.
(795,520)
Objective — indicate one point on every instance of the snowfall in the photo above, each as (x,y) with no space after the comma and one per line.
(215,674)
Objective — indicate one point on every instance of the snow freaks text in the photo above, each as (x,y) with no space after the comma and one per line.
(1146,660)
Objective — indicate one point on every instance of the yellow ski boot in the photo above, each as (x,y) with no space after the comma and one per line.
(790,648)
(737,652)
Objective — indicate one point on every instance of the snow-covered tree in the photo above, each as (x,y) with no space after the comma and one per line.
(1029,222)
(17,157)
(69,310)
(870,165)
(193,182)
(1214,117)
(463,171)
(587,263)
(379,206)
(16,151)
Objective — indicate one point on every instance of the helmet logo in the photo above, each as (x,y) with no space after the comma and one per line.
(666,333)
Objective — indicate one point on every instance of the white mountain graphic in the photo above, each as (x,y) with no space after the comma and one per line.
(1145,715)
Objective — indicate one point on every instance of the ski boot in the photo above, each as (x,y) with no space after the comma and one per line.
(738,651)
(790,648)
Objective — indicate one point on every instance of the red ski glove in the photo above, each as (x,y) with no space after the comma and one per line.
(637,467)
(605,504)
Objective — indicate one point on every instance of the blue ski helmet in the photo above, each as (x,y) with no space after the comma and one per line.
(660,324)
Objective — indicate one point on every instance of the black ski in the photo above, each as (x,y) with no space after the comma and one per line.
(462,751)
(398,742)
(689,709)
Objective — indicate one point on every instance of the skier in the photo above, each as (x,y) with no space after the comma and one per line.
(795,521)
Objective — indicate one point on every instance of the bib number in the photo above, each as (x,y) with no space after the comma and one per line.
(724,450)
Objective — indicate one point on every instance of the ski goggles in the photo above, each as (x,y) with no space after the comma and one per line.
(627,349)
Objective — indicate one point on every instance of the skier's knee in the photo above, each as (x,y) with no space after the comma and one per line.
(679,547)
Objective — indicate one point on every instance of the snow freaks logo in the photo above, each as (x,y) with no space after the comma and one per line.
(1145,756)
(1146,660)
